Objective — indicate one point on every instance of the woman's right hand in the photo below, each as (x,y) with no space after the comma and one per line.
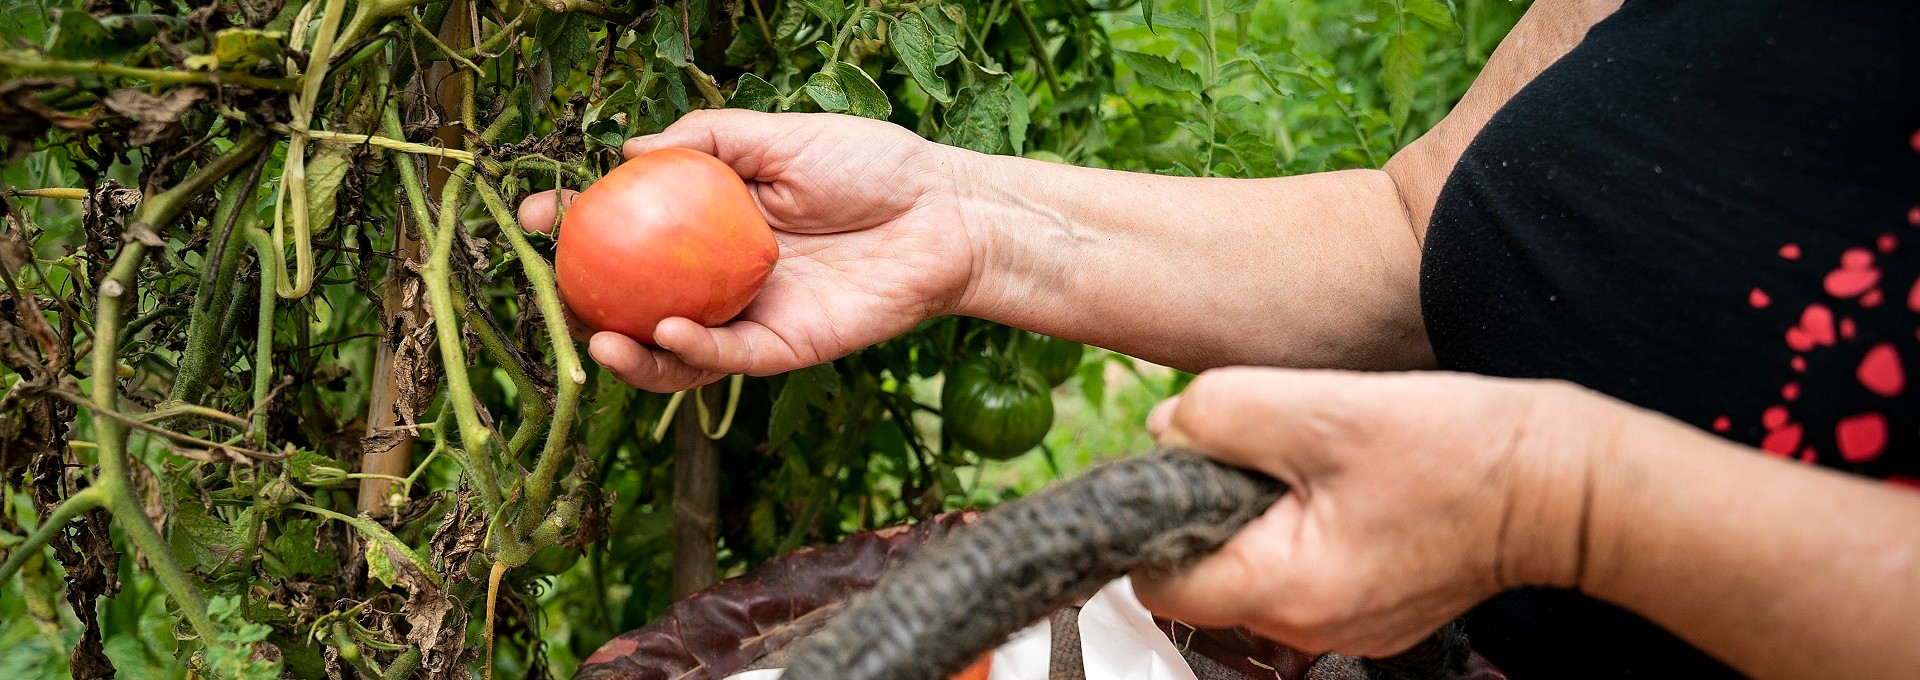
(871,243)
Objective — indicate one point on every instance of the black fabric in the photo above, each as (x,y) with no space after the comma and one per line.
(1708,209)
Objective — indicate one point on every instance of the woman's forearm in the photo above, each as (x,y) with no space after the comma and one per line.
(1315,270)
(1780,570)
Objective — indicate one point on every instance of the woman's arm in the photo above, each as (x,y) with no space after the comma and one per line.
(1313,270)
(880,230)
(1416,496)
(1781,570)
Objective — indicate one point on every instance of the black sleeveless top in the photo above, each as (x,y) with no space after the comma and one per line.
(1709,209)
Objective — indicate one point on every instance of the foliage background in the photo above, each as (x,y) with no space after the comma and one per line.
(1211,87)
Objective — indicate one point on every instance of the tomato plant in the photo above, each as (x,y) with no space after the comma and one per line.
(673,233)
(289,392)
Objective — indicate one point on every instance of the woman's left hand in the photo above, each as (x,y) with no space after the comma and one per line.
(1414,497)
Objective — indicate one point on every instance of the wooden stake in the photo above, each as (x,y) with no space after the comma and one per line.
(696,499)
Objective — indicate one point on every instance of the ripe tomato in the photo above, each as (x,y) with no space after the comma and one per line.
(996,406)
(671,233)
(980,670)
(1055,359)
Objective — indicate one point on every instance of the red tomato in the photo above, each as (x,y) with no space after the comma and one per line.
(979,670)
(671,233)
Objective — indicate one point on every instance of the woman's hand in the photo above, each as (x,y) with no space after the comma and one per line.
(1414,497)
(871,243)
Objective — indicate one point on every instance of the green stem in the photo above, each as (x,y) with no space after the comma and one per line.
(539,485)
(233,217)
(111,434)
(404,665)
(474,437)
(1212,56)
(533,408)
(1039,46)
(56,67)
(76,505)
(263,331)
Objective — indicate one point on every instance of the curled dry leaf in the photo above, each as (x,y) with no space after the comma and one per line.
(158,116)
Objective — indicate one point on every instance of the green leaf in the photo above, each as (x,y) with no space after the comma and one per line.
(805,389)
(77,35)
(1160,72)
(1240,6)
(313,469)
(1184,20)
(1093,383)
(295,546)
(1433,12)
(1400,73)
(239,49)
(1146,14)
(754,93)
(830,11)
(864,97)
(1198,129)
(325,171)
(981,113)
(827,91)
(564,38)
(1018,117)
(380,564)
(199,540)
(668,43)
(912,40)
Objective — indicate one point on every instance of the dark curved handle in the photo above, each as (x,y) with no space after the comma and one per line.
(965,593)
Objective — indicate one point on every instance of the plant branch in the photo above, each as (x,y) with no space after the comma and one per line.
(110,433)
(156,76)
(539,485)
(76,505)
(1039,46)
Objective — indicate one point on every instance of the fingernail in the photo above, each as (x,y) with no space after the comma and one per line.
(1160,417)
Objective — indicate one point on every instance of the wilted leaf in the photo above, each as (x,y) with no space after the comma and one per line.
(159,117)
(199,540)
(239,49)
(78,35)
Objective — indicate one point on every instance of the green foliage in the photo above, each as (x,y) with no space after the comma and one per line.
(428,307)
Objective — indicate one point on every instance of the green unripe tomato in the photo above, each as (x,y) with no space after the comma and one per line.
(995,406)
(553,559)
(1053,358)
